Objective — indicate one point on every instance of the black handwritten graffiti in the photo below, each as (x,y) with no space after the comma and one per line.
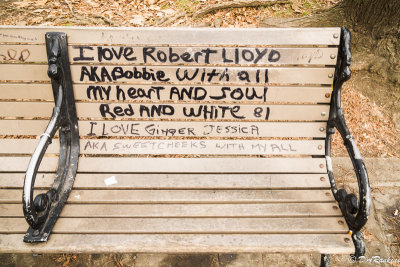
(14,55)
(175,55)
(155,129)
(12,36)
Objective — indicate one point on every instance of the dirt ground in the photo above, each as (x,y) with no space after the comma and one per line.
(369,102)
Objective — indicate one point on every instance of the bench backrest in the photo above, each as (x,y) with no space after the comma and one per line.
(220,100)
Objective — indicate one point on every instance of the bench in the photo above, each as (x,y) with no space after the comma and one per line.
(175,140)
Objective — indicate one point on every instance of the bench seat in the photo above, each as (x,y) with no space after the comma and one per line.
(171,213)
(175,141)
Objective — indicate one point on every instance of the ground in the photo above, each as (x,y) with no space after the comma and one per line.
(371,105)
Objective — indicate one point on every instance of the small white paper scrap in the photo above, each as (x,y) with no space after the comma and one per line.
(77,196)
(110,181)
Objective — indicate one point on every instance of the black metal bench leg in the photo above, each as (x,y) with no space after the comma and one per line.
(359,244)
(42,211)
(355,210)
(325,260)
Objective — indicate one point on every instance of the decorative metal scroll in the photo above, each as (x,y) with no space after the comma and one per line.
(355,210)
(42,211)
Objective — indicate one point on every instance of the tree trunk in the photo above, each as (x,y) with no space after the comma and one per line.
(376,24)
(379,23)
(379,18)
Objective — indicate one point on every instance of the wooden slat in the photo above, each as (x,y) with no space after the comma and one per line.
(183,243)
(184,225)
(175,55)
(186,210)
(198,147)
(182,196)
(173,111)
(167,93)
(179,36)
(22,72)
(9,91)
(174,128)
(176,181)
(174,165)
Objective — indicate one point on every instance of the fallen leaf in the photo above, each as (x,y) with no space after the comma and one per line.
(168,11)
(40,10)
(36,20)
(40,2)
(381,190)
(22,4)
(137,20)
(368,236)
(93,4)
(395,212)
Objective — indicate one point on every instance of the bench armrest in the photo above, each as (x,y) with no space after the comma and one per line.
(355,210)
(41,213)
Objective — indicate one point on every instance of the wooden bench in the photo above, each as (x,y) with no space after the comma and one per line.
(189,141)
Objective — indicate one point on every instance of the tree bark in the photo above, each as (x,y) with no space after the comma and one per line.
(379,18)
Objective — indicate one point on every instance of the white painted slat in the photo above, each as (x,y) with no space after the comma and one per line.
(200,147)
(148,93)
(174,128)
(174,165)
(21,91)
(151,55)
(183,243)
(175,36)
(186,210)
(184,225)
(13,196)
(175,181)
(261,112)
(169,74)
